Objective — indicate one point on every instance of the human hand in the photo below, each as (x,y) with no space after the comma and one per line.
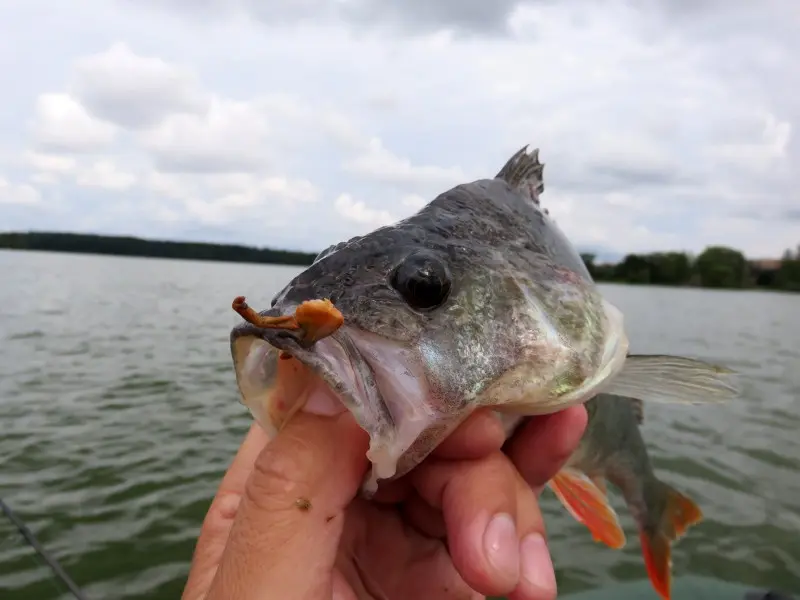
(287,522)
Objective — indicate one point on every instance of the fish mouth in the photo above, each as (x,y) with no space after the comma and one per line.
(380,381)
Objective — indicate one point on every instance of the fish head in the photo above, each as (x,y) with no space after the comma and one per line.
(436,320)
(372,361)
(549,340)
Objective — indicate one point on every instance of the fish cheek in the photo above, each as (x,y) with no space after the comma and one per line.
(458,364)
(450,388)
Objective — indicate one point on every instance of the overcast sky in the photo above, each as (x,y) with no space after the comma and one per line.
(297,123)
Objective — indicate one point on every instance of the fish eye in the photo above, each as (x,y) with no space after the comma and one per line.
(422,280)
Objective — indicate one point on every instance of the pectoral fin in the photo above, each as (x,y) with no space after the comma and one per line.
(588,504)
(663,378)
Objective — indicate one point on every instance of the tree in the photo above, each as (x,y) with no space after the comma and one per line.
(634,268)
(788,275)
(670,268)
(721,267)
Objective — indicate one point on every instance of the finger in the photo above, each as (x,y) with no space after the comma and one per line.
(480,435)
(426,519)
(290,519)
(537,576)
(487,510)
(381,557)
(219,518)
(540,447)
(394,491)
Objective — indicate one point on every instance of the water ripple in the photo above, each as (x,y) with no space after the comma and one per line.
(120,415)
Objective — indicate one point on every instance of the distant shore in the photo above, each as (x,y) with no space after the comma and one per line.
(81,243)
(716,267)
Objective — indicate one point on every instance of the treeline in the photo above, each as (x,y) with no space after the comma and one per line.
(715,267)
(133,246)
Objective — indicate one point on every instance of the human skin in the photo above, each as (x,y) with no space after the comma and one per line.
(287,521)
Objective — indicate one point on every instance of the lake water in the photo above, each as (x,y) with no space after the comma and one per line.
(119,414)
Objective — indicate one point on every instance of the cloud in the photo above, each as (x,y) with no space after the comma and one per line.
(408,16)
(135,91)
(106,175)
(662,124)
(62,124)
(51,163)
(20,194)
(229,137)
(377,163)
(361,213)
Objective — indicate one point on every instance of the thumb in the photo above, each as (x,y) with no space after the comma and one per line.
(284,540)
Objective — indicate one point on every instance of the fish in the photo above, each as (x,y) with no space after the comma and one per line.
(612,450)
(476,300)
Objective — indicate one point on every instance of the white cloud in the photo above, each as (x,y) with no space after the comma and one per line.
(361,213)
(134,91)
(380,164)
(53,163)
(228,198)
(414,201)
(62,124)
(18,193)
(105,174)
(229,136)
(761,154)
(232,119)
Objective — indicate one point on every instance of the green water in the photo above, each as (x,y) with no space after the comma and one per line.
(119,414)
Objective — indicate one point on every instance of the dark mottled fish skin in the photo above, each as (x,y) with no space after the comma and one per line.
(501,249)
(466,226)
(480,230)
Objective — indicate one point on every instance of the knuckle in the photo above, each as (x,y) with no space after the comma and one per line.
(280,476)
(221,513)
(485,482)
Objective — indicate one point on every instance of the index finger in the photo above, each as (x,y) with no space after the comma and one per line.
(541,446)
(219,518)
(478,436)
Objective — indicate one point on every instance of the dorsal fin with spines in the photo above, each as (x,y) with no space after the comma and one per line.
(524,173)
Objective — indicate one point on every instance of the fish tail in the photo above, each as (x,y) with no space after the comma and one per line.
(679,513)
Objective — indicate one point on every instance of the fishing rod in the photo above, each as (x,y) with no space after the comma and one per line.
(34,543)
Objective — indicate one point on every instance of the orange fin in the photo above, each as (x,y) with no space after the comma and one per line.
(680,513)
(600,483)
(589,505)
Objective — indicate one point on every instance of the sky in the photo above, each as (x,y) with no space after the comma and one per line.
(663,124)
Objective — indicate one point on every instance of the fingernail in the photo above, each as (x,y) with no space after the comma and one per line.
(324,402)
(501,546)
(537,568)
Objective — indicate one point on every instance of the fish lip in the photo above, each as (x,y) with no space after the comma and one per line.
(352,380)
(318,362)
